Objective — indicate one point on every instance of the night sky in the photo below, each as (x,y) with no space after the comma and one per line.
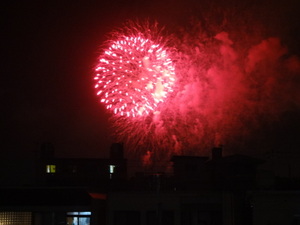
(46,83)
(48,54)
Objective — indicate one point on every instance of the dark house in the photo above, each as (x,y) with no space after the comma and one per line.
(66,191)
(86,172)
(46,206)
(225,173)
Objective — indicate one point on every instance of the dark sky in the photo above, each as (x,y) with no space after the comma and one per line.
(46,78)
(48,53)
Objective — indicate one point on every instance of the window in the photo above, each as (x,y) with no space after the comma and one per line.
(51,168)
(111,170)
(78,218)
(20,218)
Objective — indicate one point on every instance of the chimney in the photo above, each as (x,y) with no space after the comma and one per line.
(216,153)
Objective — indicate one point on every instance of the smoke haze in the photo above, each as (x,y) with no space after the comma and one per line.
(238,84)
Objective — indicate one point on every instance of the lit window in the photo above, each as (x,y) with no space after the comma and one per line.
(51,168)
(112,168)
(21,218)
(78,218)
(79,213)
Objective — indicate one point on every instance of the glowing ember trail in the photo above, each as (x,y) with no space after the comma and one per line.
(134,75)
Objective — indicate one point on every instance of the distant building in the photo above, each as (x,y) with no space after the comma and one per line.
(227,173)
(66,191)
(47,206)
(164,208)
(216,190)
(202,190)
(89,172)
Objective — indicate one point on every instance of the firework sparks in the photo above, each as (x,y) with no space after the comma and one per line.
(134,75)
(224,86)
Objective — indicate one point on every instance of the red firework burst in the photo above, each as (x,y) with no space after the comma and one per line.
(134,75)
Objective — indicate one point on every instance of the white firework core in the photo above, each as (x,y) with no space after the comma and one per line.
(134,75)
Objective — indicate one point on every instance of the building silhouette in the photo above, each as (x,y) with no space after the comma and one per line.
(213,190)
